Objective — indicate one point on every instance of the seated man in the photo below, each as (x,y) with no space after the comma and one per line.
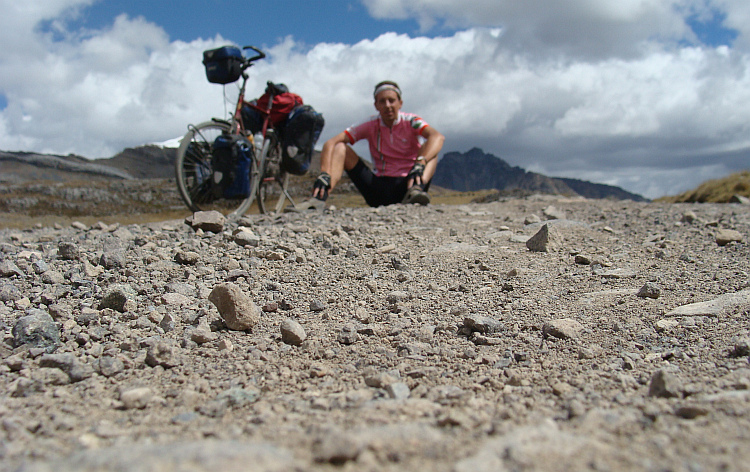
(404,151)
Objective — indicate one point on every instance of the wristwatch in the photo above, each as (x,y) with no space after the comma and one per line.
(421,159)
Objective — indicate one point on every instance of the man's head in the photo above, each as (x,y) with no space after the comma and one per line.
(388,101)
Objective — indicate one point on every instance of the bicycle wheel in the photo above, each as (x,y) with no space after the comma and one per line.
(272,176)
(197,178)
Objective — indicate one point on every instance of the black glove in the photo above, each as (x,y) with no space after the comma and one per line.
(323,183)
(415,172)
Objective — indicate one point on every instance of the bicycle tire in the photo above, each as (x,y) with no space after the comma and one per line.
(265,191)
(194,171)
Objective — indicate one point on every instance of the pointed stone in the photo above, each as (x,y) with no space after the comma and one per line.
(547,239)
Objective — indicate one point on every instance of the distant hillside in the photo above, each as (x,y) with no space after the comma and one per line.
(462,172)
(19,167)
(144,162)
(476,170)
(733,188)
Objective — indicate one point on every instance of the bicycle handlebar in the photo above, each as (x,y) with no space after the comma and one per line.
(260,55)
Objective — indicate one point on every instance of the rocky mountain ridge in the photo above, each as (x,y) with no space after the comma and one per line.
(470,171)
(477,170)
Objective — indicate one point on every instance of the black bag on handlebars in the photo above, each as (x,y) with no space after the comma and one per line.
(299,135)
(223,65)
(232,155)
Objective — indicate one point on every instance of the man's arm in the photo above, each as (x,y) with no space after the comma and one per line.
(427,155)
(433,144)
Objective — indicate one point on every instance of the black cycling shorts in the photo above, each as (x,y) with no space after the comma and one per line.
(378,191)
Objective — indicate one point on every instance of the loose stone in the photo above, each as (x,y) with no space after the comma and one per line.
(564,328)
(649,290)
(292,332)
(664,384)
(136,398)
(547,239)
(726,236)
(37,329)
(237,310)
(212,221)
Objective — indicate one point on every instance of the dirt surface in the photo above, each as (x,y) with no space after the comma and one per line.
(401,338)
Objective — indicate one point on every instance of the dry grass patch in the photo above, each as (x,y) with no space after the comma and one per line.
(715,191)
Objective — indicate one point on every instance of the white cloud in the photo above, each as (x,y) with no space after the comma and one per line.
(95,92)
(571,27)
(654,117)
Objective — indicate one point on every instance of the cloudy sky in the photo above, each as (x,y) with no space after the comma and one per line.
(649,95)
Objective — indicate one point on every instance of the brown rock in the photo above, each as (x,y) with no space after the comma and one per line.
(237,309)
(564,328)
(292,332)
(726,236)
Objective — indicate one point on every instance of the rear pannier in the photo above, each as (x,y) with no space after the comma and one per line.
(300,133)
(223,65)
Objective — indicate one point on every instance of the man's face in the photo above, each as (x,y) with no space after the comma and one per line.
(388,105)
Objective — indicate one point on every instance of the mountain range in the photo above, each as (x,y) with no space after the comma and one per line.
(469,171)
(476,170)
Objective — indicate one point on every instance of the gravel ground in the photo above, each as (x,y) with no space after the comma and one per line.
(527,334)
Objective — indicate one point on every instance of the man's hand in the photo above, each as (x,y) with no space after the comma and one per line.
(415,174)
(321,186)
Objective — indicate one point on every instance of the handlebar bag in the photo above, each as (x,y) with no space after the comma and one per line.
(223,65)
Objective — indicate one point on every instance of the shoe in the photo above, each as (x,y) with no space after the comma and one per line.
(310,204)
(416,195)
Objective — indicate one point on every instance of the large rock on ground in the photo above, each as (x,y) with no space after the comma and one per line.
(212,221)
(723,304)
(239,312)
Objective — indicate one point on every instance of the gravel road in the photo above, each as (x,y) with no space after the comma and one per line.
(538,333)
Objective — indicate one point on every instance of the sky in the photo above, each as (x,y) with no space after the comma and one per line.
(649,95)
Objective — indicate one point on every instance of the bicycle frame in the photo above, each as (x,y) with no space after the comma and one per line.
(194,171)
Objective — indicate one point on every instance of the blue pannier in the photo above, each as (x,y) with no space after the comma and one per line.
(232,156)
(223,65)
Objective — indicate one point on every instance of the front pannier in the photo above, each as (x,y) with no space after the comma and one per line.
(223,65)
(232,155)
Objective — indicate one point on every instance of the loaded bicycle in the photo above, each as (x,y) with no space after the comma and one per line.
(223,165)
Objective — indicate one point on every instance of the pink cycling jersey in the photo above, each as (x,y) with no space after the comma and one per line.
(394,150)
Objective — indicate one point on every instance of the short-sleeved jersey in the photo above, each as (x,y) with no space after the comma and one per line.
(394,150)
